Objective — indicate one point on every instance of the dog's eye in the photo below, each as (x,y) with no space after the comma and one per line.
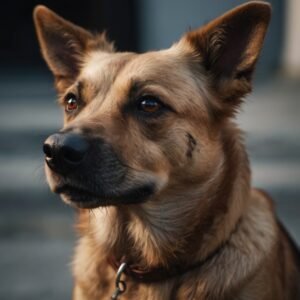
(71,103)
(149,104)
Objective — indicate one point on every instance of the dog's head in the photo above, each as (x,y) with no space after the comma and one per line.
(137,125)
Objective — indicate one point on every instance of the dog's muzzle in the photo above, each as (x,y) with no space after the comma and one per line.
(88,173)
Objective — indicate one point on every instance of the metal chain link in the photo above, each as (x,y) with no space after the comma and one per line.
(120,284)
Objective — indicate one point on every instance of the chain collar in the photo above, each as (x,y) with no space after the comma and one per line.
(120,284)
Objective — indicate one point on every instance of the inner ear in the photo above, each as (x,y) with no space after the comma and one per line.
(64,44)
(229,47)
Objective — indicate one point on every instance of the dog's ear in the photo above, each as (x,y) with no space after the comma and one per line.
(64,44)
(229,46)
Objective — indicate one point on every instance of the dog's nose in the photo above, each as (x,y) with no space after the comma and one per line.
(64,151)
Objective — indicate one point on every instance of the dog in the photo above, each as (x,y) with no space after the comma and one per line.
(153,161)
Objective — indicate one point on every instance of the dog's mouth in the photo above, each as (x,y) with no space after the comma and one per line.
(87,173)
(84,198)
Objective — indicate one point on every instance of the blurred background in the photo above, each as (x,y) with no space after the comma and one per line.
(36,228)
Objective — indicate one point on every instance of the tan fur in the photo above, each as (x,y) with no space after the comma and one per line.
(195,155)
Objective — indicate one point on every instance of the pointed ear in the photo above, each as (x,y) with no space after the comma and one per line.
(229,47)
(64,44)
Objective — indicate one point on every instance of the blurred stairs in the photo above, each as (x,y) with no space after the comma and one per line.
(36,228)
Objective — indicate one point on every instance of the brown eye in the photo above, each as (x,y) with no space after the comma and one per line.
(71,103)
(149,104)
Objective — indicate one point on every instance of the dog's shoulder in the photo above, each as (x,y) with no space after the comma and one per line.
(287,252)
(264,196)
(283,233)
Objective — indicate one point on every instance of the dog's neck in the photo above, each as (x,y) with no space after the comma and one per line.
(161,232)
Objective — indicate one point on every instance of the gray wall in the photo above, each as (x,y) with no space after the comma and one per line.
(162,22)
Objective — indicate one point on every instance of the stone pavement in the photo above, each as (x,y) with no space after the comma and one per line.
(36,231)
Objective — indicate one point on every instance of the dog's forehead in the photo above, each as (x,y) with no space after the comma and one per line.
(99,64)
(149,66)
(152,65)
(167,71)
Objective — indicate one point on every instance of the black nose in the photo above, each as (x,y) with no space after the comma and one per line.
(64,151)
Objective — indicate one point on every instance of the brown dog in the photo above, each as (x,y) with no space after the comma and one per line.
(150,156)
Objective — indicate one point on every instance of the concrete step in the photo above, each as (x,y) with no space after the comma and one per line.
(35,268)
